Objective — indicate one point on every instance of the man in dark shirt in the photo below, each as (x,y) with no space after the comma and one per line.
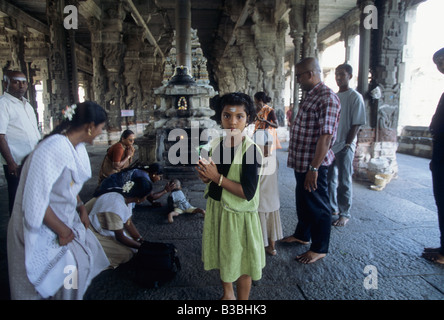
(437,166)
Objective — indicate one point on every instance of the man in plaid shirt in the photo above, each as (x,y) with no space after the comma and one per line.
(311,137)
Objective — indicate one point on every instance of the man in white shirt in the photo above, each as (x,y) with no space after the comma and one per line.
(19,133)
(340,172)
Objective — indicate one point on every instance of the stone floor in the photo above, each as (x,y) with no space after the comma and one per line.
(387,234)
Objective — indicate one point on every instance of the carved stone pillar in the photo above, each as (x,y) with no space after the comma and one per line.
(279,76)
(386,67)
(387,70)
(311,28)
(16,40)
(112,49)
(99,83)
(264,31)
(60,93)
(297,32)
(269,38)
(250,56)
(133,94)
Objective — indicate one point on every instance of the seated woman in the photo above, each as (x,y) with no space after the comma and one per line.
(111,220)
(152,172)
(118,156)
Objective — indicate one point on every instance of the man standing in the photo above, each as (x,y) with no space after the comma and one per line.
(311,136)
(19,132)
(437,166)
(340,173)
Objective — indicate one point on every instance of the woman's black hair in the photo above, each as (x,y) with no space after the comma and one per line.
(141,188)
(84,113)
(236,99)
(125,134)
(262,96)
(153,168)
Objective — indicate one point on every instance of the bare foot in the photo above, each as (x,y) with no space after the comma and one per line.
(271,251)
(341,222)
(310,257)
(335,213)
(291,239)
(199,210)
(434,257)
(171,215)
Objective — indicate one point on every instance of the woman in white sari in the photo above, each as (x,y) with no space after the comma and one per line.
(51,252)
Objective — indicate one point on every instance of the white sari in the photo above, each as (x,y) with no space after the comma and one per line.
(39,267)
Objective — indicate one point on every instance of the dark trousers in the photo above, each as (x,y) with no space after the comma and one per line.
(13,182)
(437,167)
(314,212)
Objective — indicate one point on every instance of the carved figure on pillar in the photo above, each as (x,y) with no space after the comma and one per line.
(58,66)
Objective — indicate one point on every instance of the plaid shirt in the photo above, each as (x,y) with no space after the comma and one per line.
(318,115)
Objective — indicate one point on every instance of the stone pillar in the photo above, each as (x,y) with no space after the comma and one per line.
(264,31)
(72,66)
(183,33)
(31,75)
(133,91)
(46,96)
(297,32)
(269,38)
(366,134)
(279,76)
(311,28)
(364,50)
(387,69)
(16,40)
(99,81)
(250,56)
(60,93)
(113,51)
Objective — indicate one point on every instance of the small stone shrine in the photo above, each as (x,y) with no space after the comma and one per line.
(180,123)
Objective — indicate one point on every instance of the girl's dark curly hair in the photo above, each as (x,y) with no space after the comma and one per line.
(236,99)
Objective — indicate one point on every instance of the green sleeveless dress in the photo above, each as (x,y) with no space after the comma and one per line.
(232,235)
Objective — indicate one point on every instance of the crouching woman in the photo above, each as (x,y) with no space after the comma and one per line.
(111,220)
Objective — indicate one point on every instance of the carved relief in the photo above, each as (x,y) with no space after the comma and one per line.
(198,61)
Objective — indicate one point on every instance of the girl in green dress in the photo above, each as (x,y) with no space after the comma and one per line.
(232,237)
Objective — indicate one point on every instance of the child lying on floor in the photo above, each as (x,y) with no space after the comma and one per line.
(178,203)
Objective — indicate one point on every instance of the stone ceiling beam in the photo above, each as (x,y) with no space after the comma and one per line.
(351,17)
(149,36)
(23,17)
